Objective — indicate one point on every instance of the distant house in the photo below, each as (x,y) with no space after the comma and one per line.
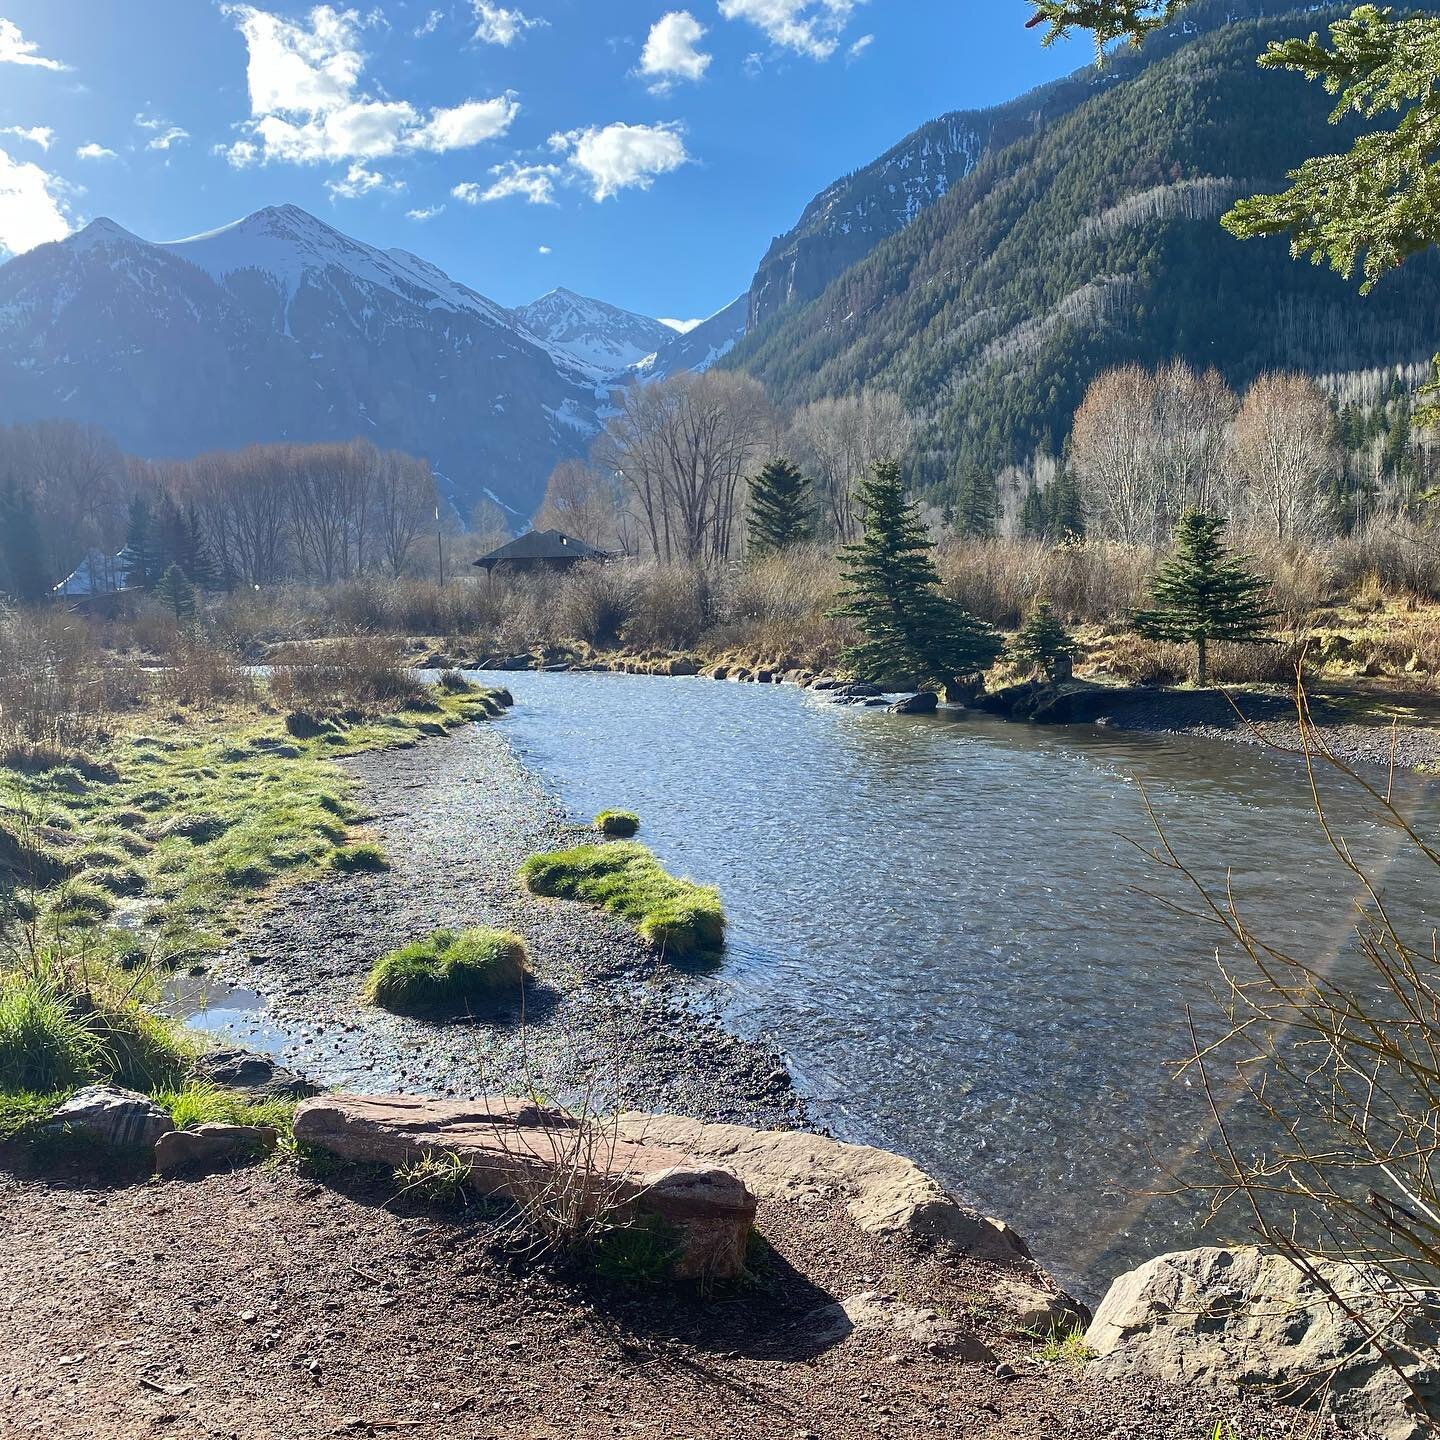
(540,550)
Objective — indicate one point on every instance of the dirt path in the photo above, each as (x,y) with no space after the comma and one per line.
(258,1305)
(456,816)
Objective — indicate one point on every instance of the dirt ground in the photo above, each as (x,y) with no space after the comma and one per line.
(264,1305)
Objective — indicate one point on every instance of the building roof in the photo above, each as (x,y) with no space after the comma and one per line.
(541,545)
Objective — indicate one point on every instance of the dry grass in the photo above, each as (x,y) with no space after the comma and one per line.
(356,670)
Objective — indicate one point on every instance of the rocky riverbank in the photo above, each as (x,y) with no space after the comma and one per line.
(455,817)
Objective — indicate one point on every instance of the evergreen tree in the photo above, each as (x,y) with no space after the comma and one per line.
(134,557)
(164,538)
(1204,593)
(892,593)
(1034,514)
(781,512)
(193,552)
(1065,507)
(1044,644)
(174,590)
(977,504)
(22,574)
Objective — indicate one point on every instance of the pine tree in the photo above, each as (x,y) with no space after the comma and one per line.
(174,590)
(22,574)
(781,512)
(1034,516)
(892,593)
(977,504)
(1204,593)
(193,553)
(1043,643)
(133,558)
(1065,507)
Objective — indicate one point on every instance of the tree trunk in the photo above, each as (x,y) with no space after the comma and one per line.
(1202,670)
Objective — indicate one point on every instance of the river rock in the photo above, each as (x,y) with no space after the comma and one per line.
(883,1193)
(927,702)
(113,1116)
(519,1150)
(236,1068)
(212,1143)
(856,688)
(871,1311)
(1250,1317)
(1037,1309)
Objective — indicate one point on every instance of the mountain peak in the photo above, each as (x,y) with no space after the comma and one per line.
(101,231)
(603,337)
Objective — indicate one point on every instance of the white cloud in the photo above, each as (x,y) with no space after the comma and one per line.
(360,181)
(495,25)
(15,49)
(428,213)
(465,125)
(683,326)
(670,52)
(306,105)
(429,25)
(809,27)
(615,157)
(40,135)
(536,183)
(165,135)
(32,209)
(545,250)
(92,151)
(859,47)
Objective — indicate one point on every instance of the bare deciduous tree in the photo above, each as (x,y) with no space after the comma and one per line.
(1285,452)
(840,440)
(581,500)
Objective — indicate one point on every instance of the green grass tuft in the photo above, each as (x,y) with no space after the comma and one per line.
(677,916)
(641,1255)
(354,858)
(441,1179)
(44,1044)
(617,824)
(449,970)
(197,1103)
(1068,1346)
(25,1111)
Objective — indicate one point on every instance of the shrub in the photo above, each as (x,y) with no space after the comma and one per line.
(362,857)
(677,916)
(618,824)
(449,970)
(452,682)
(594,603)
(362,670)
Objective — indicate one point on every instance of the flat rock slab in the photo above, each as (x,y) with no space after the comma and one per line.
(923,1328)
(212,1143)
(530,1154)
(883,1193)
(113,1116)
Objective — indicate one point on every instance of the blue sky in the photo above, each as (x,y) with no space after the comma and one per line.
(643,153)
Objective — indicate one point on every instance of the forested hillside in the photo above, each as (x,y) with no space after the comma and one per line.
(1092,242)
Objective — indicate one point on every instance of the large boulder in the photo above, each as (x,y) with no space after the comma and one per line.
(235,1068)
(883,1193)
(1250,1317)
(112,1116)
(522,1152)
(927,702)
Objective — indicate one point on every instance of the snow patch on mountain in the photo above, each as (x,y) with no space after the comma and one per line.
(602,337)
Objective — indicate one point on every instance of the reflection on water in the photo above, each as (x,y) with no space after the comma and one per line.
(940,921)
(229,1012)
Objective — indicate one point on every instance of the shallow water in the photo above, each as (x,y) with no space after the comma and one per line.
(941,921)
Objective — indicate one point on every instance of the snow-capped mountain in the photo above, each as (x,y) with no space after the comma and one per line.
(279,327)
(604,338)
(699,347)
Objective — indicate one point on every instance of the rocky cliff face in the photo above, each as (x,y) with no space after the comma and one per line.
(281,328)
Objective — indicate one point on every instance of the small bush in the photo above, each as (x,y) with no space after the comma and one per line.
(449,970)
(618,824)
(452,682)
(677,916)
(355,858)
(365,670)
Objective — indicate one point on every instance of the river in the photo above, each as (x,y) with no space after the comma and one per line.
(947,923)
